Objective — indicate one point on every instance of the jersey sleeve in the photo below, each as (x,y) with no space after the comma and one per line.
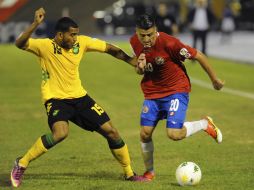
(35,46)
(182,51)
(93,44)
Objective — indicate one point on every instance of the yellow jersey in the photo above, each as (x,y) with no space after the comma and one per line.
(60,67)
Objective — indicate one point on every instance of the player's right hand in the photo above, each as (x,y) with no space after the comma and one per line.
(218,84)
(142,62)
(39,15)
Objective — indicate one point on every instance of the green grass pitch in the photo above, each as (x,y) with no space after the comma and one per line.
(84,162)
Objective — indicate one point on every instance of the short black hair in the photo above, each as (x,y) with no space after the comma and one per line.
(64,23)
(145,21)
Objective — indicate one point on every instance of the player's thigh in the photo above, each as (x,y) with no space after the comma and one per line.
(58,110)
(150,113)
(178,105)
(90,115)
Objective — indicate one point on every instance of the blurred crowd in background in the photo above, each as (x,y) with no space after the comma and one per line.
(174,16)
(114,17)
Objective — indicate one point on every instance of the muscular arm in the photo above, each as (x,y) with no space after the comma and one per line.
(120,54)
(22,40)
(203,61)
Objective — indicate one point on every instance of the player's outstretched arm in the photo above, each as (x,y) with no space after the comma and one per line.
(203,61)
(120,54)
(22,40)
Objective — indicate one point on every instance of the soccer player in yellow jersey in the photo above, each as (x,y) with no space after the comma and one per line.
(64,97)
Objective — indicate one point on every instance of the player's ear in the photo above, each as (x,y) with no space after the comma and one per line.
(59,35)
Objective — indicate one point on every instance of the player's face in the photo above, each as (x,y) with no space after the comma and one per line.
(69,38)
(147,37)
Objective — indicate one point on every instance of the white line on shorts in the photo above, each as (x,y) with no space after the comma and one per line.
(224,89)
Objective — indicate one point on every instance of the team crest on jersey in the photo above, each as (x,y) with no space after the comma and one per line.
(55,112)
(159,60)
(145,109)
(184,52)
(75,48)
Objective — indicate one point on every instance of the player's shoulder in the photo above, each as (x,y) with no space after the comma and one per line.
(167,39)
(134,36)
(134,39)
(40,42)
(87,39)
(83,38)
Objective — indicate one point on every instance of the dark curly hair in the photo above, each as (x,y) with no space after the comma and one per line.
(64,23)
(145,21)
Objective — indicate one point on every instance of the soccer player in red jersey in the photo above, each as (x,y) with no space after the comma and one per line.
(166,87)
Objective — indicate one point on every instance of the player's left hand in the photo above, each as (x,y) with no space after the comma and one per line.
(218,84)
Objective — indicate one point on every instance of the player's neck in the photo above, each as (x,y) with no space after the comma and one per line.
(57,42)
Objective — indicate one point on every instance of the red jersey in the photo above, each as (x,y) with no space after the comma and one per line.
(165,73)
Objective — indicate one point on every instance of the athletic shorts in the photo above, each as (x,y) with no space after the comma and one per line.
(173,108)
(84,112)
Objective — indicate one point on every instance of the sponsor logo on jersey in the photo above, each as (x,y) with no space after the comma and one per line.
(145,109)
(159,60)
(184,52)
